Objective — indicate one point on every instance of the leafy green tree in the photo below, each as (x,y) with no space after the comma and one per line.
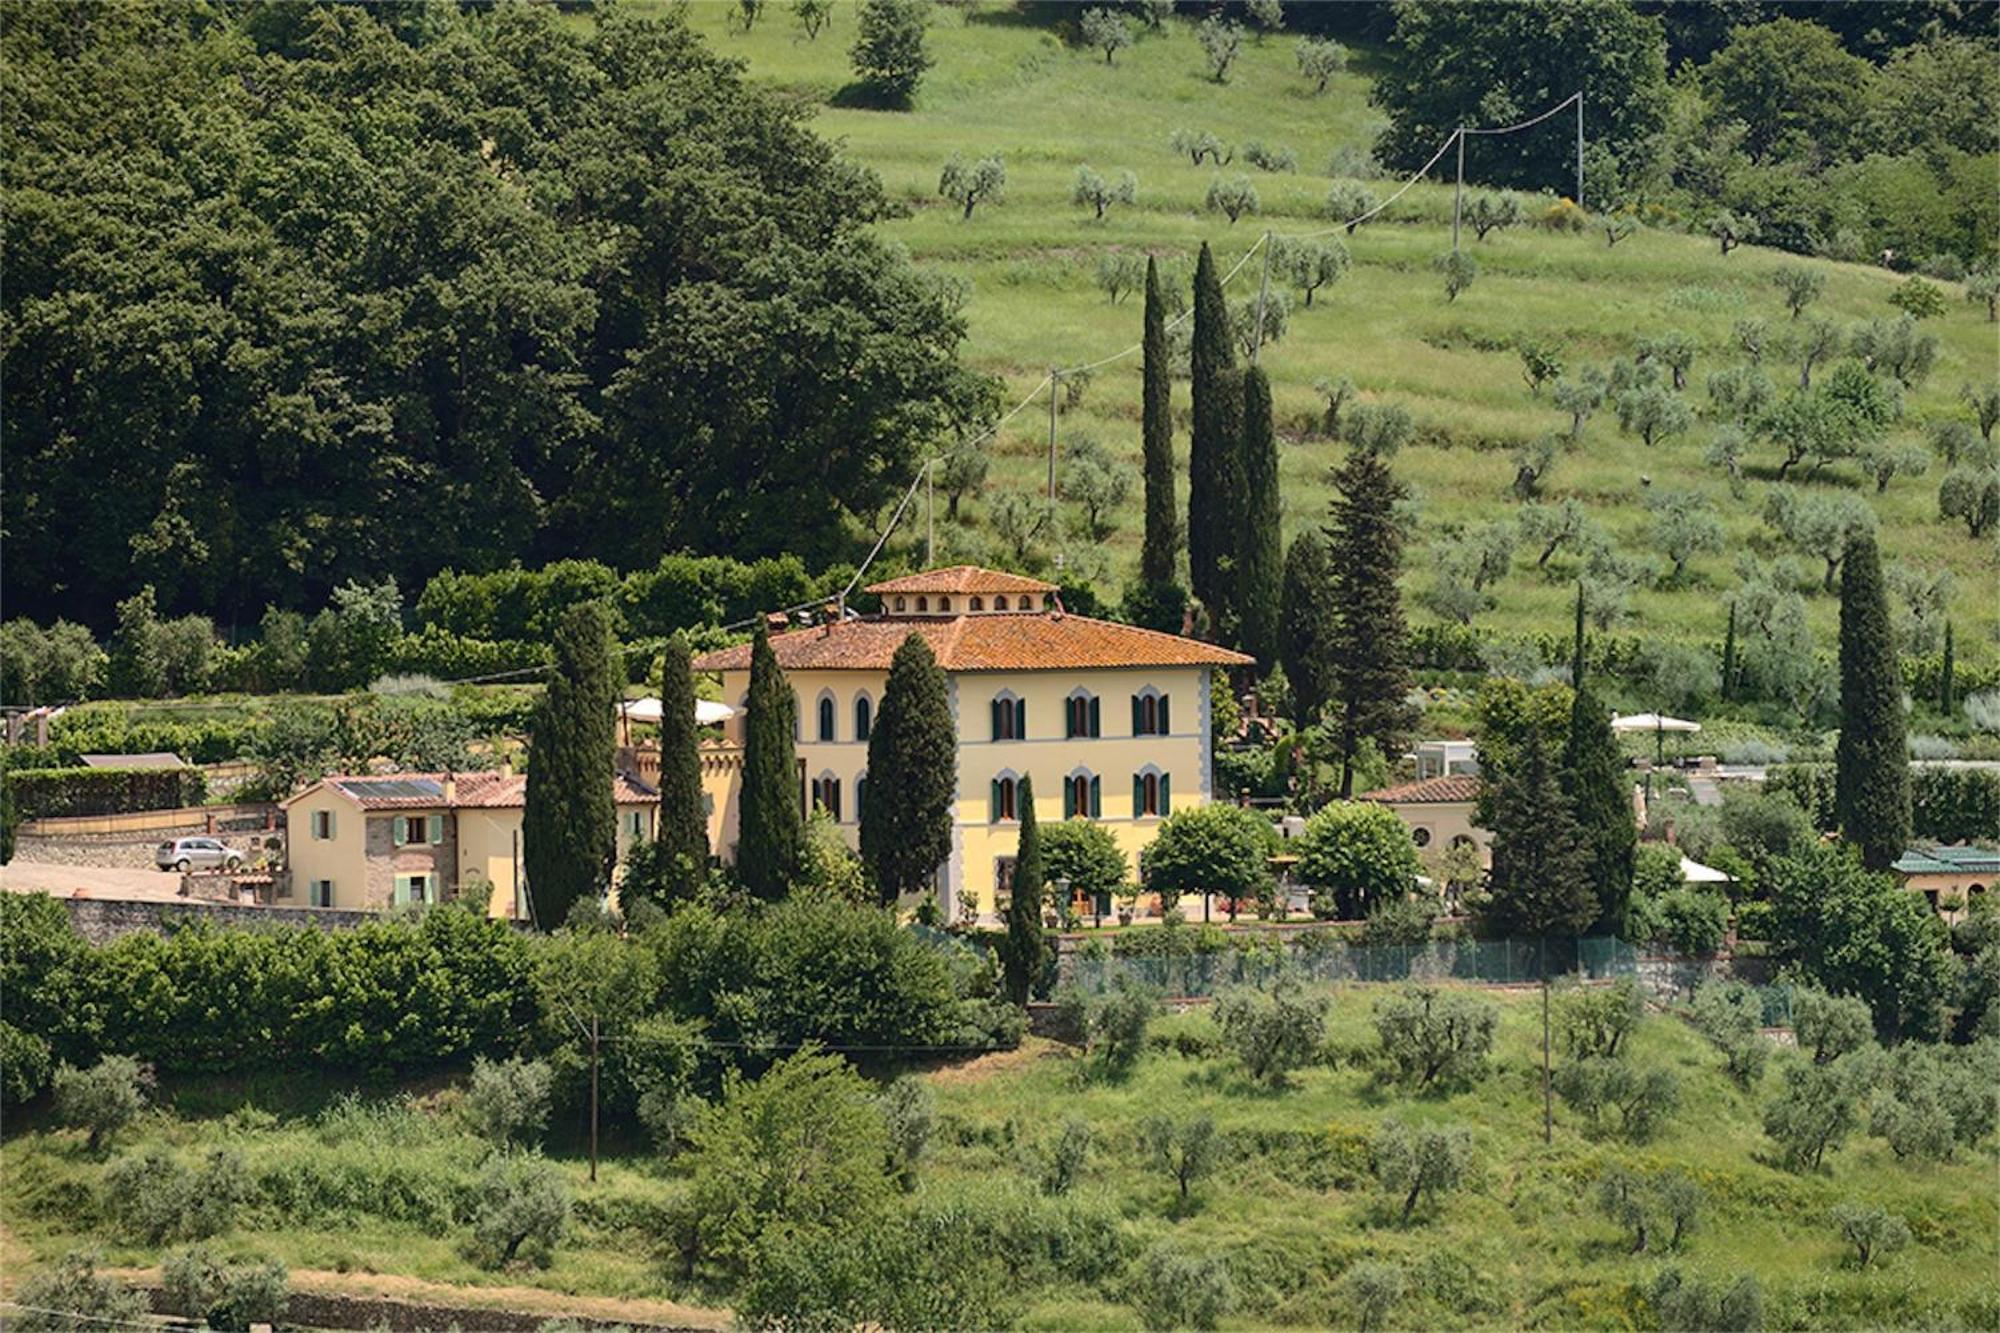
(1156,429)
(1094,191)
(1460,270)
(1871,1229)
(1233,197)
(220,1295)
(1871,763)
(1320,60)
(929,1267)
(1273,1031)
(70,1296)
(1260,553)
(912,775)
(1220,40)
(103,1099)
(1211,849)
(1087,854)
(1106,31)
(767,853)
(1429,1038)
(1918,299)
(569,831)
(1370,669)
(1792,85)
(1359,854)
(683,825)
(507,1101)
(1215,480)
(1309,620)
(1482,65)
(1541,876)
(1800,286)
(138,654)
(1186,1150)
(889,53)
(969,184)
(1420,1162)
(1026,951)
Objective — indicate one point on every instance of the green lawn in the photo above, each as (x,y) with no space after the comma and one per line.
(1291,1208)
(1029,263)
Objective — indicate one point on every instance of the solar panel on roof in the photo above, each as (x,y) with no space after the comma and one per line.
(391,788)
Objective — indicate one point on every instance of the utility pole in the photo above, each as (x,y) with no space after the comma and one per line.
(1458,195)
(593,1097)
(930,518)
(1548,1094)
(1263,291)
(1055,389)
(1579,148)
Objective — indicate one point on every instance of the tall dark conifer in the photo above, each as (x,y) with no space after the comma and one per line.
(1309,625)
(1729,657)
(1260,552)
(1024,951)
(1540,879)
(1371,667)
(683,824)
(767,851)
(1156,434)
(1871,791)
(569,830)
(1593,780)
(912,775)
(1947,685)
(1214,461)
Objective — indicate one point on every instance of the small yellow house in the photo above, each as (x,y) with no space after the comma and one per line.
(374,841)
(1111,721)
(1439,812)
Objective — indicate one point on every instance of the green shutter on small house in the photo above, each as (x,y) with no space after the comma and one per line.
(995,708)
(1138,716)
(993,806)
(401,896)
(436,829)
(1096,796)
(397,830)
(1069,798)
(1166,795)
(1165,727)
(1020,719)
(1094,731)
(1138,795)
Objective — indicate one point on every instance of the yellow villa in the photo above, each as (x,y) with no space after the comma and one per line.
(1111,721)
(369,842)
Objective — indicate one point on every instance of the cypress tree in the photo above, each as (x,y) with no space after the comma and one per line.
(1540,879)
(1871,790)
(1156,433)
(767,851)
(1214,462)
(1024,951)
(569,830)
(1370,652)
(1260,553)
(683,826)
(1593,781)
(1729,657)
(1947,687)
(1309,625)
(912,776)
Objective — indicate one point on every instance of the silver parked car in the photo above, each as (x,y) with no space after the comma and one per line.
(185,854)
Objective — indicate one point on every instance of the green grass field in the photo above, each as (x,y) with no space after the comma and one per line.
(1029,262)
(1290,1209)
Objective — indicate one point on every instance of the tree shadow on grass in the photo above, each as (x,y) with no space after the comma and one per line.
(859,96)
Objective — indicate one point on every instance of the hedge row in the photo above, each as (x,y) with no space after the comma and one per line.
(44,793)
(1947,805)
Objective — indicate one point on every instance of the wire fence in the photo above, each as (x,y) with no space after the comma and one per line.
(1490,962)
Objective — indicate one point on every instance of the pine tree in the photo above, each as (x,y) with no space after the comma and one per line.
(1156,430)
(1729,657)
(1309,625)
(912,775)
(1371,671)
(1214,462)
(1593,781)
(1025,948)
(1540,879)
(1947,686)
(767,851)
(1871,762)
(1260,557)
(683,823)
(569,830)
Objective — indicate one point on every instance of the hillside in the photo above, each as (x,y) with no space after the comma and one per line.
(1003,85)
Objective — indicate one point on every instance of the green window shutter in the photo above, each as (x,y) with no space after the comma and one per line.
(437,829)
(1138,716)
(1096,797)
(1094,724)
(397,829)
(1165,727)
(1138,795)
(993,808)
(999,730)
(1069,797)
(1020,719)
(402,893)
(1166,795)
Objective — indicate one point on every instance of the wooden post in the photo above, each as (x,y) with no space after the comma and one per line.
(593,1098)
(1548,1093)
(1055,388)
(1458,194)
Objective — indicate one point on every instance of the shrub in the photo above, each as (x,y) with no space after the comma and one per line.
(931,1269)
(1642,1098)
(1812,1114)
(1175,1288)
(1669,1204)
(44,793)
(24,1064)
(1403,922)
(86,1302)
(1420,1163)
(909,1112)
(1681,1302)
(224,1296)
(1693,921)
(1595,1020)
(1729,1014)
(1373,1288)
(1955,804)
(1830,1026)
(1273,1032)
(154,1198)
(102,1099)
(508,1100)
(1187,1150)
(1871,1230)
(1434,1038)
(1063,1160)
(1115,1024)
(521,1201)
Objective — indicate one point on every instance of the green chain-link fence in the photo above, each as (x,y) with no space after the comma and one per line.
(1489,961)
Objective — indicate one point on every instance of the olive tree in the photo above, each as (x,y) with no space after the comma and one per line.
(507,1101)
(1431,1038)
(1420,1163)
(1685,525)
(1320,60)
(1310,265)
(1971,495)
(102,1099)
(1233,197)
(521,1200)
(1272,1032)
(1221,39)
(1106,31)
(1732,230)
(1580,395)
(1800,286)
(1186,1150)
(1813,1112)
(1094,191)
(1871,1229)
(1460,270)
(1493,212)
(970,184)
(1548,528)
(1349,203)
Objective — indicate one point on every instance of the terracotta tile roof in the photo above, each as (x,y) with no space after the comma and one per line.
(1004,641)
(1451,789)
(963,579)
(483,790)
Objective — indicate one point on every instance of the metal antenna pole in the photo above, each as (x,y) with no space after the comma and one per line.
(1458,196)
(1263,291)
(1055,386)
(1579,148)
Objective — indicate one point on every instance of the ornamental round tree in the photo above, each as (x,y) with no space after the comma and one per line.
(1085,853)
(912,775)
(569,830)
(1359,854)
(767,852)
(1223,849)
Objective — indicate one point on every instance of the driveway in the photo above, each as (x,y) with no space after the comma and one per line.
(62,881)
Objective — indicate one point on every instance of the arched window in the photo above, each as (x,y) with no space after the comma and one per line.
(826,794)
(1151,793)
(1027,603)
(826,716)
(1080,714)
(1000,602)
(923,603)
(901,604)
(978,603)
(864,717)
(860,794)
(944,603)
(1083,795)
(1010,717)
(1005,793)
(1149,714)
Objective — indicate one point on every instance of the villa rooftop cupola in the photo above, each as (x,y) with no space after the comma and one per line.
(964,590)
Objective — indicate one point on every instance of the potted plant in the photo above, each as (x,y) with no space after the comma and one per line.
(1128,902)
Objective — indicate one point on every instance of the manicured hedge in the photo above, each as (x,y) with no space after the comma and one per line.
(44,793)
(1955,804)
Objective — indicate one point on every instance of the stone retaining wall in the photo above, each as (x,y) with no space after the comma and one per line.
(101,920)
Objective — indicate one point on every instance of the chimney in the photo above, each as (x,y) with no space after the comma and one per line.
(776,622)
(450,790)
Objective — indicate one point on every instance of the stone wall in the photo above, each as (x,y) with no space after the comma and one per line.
(101,920)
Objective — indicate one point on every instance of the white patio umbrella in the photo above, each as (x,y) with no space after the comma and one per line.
(1656,724)
(648,708)
(1694,872)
